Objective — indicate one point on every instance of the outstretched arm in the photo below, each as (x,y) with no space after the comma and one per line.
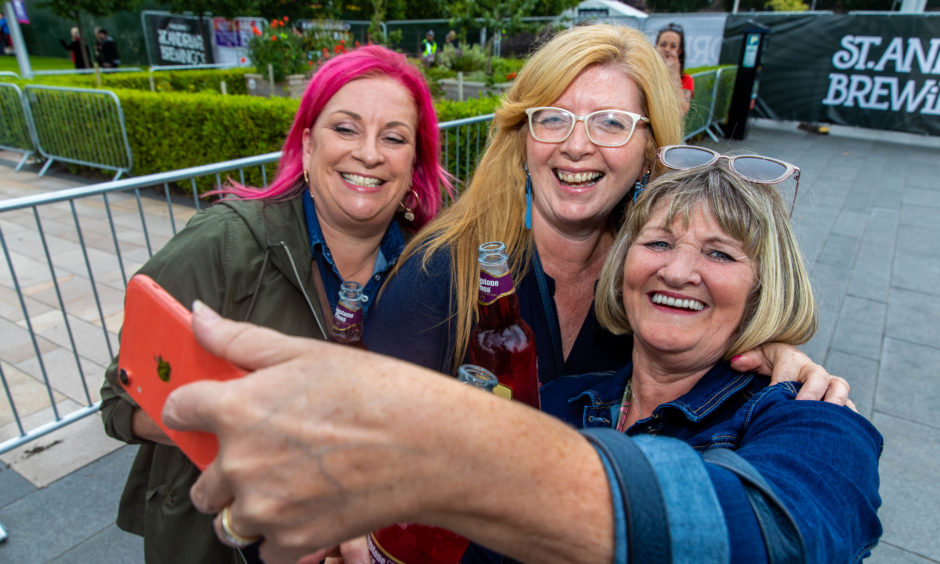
(323,443)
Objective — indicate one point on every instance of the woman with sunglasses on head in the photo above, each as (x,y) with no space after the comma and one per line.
(574,138)
(687,460)
(670,42)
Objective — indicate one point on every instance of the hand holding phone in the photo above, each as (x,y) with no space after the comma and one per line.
(159,354)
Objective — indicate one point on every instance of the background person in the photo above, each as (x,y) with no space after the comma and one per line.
(81,57)
(428,48)
(107,51)
(361,156)
(555,197)
(670,42)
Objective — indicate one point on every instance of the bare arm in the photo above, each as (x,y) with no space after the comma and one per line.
(323,443)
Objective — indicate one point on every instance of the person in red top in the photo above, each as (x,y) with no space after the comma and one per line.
(670,42)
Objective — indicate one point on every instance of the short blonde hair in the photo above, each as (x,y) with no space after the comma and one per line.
(493,206)
(781,306)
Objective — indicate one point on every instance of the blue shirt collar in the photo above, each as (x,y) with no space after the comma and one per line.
(393,243)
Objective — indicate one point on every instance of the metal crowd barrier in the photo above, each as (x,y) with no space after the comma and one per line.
(710,103)
(80,126)
(68,256)
(17,132)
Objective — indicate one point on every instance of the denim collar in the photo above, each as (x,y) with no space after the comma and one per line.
(708,394)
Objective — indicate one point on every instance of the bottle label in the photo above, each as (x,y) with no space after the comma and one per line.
(503,391)
(378,555)
(344,318)
(493,288)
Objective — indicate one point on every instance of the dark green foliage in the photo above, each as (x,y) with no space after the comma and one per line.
(164,81)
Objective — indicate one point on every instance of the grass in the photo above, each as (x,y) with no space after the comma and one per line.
(8,63)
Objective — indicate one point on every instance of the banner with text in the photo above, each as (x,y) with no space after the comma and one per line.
(178,40)
(869,70)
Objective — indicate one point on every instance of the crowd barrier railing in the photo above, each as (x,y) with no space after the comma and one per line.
(17,132)
(710,102)
(80,126)
(68,256)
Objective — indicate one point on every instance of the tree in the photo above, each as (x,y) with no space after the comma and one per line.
(498,17)
(72,10)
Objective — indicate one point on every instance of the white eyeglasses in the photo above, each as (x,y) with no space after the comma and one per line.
(606,128)
(753,168)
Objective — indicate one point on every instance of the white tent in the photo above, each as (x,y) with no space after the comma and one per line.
(601,9)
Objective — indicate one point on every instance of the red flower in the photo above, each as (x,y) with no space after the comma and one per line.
(326,52)
(243,60)
(255,30)
(274,23)
(273,38)
(510,76)
(357,44)
(336,49)
(309,63)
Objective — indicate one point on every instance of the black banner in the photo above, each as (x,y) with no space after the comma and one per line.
(880,71)
(178,40)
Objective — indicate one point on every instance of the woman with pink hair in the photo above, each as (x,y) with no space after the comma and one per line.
(360,172)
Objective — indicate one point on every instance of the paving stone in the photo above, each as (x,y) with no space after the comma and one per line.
(111,544)
(920,239)
(907,382)
(12,486)
(913,316)
(886,553)
(839,251)
(916,272)
(908,470)
(51,521)
(860,327)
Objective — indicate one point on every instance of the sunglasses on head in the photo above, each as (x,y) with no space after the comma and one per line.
(752,168)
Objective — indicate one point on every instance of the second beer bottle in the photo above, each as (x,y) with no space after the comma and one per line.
(347,319)
(501,341)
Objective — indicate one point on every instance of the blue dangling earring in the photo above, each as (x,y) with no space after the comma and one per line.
(528,197)
(640,185)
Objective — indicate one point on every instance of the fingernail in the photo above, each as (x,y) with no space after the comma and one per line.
(204,312)
(735,357)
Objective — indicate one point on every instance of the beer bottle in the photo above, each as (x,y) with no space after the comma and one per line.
(347,320)
(411,543)
(501,341)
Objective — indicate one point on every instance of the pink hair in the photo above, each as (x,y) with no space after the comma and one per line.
(428,177)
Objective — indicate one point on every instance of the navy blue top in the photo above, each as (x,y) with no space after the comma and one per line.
(416,322)
(393,243)
(821,459)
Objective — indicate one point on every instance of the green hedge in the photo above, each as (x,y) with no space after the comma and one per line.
(164,81)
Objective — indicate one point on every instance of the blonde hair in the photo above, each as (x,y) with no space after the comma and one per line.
(781,306)
(493,205)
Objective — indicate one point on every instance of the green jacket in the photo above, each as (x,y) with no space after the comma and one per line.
(249,261)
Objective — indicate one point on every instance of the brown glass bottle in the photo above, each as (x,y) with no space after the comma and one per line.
(347,319)
(411,543)
(501,341)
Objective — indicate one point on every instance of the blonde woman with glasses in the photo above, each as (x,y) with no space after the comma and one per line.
(575,137)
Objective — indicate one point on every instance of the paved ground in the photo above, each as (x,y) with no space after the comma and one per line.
(868,215)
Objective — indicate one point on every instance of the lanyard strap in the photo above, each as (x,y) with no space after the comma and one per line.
(554,329)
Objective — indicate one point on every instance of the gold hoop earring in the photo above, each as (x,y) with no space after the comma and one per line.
(408,210)
(306,178)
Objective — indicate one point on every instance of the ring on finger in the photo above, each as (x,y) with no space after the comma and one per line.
(231,536)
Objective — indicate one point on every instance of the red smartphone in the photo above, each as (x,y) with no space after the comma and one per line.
(159,353)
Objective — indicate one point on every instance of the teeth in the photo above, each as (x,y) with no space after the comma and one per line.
(577,178)
(693,305)
(367,181)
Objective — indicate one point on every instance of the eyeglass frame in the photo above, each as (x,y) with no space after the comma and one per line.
(634,116)
(791,169)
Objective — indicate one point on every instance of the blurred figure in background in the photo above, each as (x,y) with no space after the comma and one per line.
(670,42)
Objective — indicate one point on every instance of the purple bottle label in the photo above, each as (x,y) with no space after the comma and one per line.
(344,318)
(493,288)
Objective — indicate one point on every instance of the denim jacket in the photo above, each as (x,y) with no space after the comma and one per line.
(820,459)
